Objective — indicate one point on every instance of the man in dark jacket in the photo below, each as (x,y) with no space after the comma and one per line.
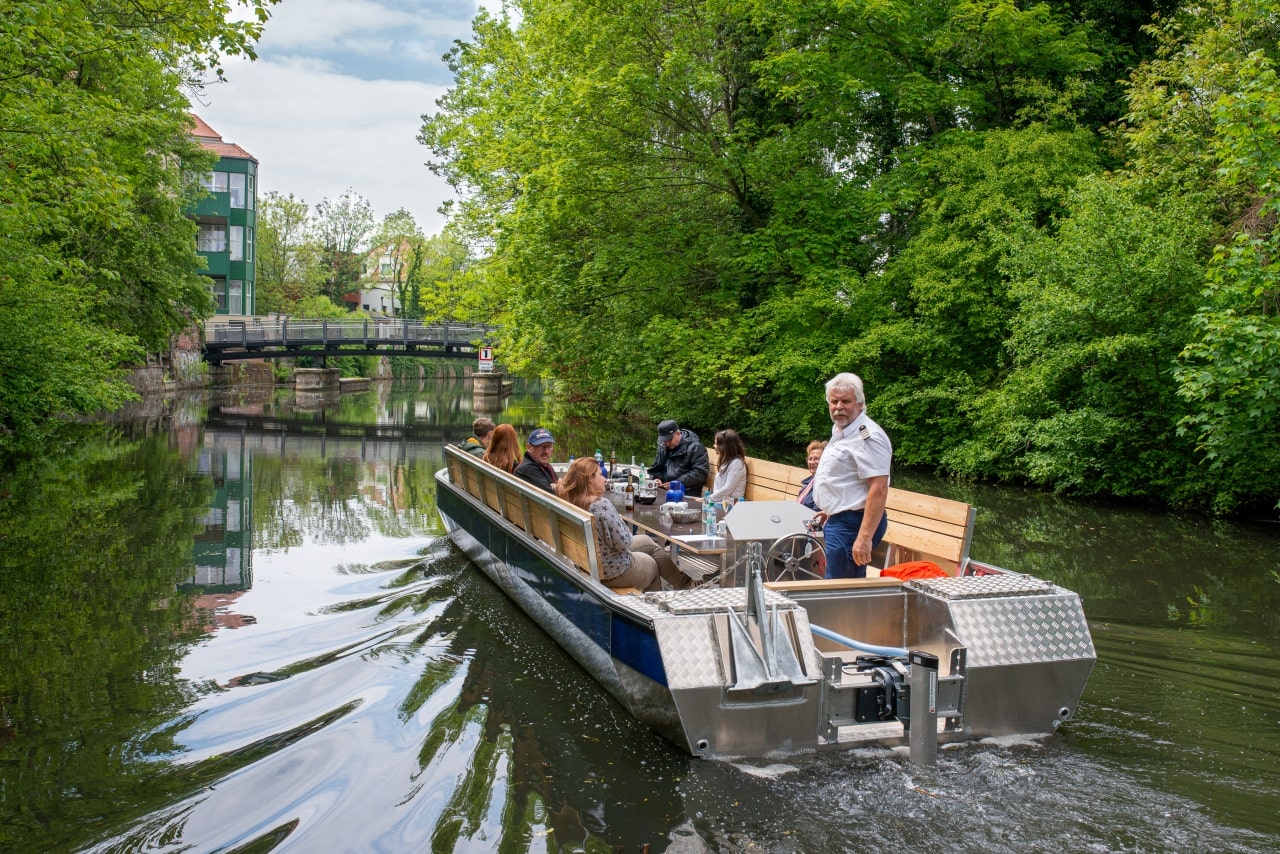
(476,445)
(536,465)
(680,457)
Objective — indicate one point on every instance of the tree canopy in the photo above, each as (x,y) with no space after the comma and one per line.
(703,209)
(97,257)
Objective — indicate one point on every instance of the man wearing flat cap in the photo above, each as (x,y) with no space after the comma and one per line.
(536,465)
(680,457)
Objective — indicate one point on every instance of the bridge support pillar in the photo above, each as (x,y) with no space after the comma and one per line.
(315,379)
(485,385)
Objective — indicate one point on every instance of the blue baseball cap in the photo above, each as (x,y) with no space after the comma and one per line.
(541,436)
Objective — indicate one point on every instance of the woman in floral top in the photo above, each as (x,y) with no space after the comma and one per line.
(625,560)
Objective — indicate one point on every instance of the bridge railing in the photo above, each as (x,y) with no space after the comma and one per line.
(283,331)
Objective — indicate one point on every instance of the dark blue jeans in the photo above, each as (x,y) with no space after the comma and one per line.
(839,533)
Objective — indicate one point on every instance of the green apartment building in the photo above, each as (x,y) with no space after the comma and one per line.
(227,221)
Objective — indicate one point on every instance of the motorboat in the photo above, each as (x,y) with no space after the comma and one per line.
(763,657)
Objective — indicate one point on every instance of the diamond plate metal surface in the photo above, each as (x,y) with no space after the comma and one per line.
(982,586)
(690,652)
(1022,629)
(712,599)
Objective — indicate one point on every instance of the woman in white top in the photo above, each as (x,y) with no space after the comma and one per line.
(731,467)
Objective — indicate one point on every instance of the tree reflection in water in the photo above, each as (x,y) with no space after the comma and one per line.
(350,682)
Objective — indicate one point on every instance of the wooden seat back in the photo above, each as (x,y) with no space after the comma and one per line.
(921,527)
(567,529)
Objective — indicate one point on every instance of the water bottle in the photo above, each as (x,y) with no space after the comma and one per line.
(600,462)
(709,517)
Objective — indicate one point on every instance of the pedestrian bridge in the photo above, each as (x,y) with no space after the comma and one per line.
(237,339)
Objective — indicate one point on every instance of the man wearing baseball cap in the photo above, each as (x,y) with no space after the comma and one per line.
(680,457)
(536,465)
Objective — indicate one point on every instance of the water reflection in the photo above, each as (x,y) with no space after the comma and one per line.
(231,623)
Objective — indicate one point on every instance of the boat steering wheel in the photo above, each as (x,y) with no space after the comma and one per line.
(795,557)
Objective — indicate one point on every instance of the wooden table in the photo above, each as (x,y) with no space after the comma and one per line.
(648,519)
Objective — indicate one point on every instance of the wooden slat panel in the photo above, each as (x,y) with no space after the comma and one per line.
(491,496)
(475,483)
(515,502)
(936,525)
(767,470)
(944,509)
(573,544)
(926,542)
(760,492)
(455,472)
(540,523)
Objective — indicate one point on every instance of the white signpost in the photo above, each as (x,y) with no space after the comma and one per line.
(486,360)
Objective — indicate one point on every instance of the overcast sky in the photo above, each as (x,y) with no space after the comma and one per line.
(336,98)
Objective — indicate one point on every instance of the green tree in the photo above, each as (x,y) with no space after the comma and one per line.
(342,227)
(1104,305)
(397,249)
(97,259)
(442,289)
(1204,122)
(289,265)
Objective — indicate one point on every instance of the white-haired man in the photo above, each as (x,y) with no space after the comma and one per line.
(852,480)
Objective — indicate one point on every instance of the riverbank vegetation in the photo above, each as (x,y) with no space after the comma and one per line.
(1043,233)
(98,260)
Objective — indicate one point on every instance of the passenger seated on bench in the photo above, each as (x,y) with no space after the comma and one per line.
(680,457)
(731,470)
(813,453)
(504,448)
(536,465)
(625,560)
(477,444)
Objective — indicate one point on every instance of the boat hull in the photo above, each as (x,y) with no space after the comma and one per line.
(616,646)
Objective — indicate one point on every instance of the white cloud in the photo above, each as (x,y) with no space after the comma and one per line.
(315,133)
(399,39)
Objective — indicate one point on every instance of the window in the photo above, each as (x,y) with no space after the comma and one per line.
(215,182)
(219,290)
(212,237)
(248,244)
(236,185)
(235,297)
(248,197)
(237,243)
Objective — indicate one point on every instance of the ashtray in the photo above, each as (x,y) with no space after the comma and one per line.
(685,515)
(646,497)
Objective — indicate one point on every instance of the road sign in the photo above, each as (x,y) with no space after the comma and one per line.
(486,360)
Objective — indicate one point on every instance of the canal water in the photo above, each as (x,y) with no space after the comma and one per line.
(230,623)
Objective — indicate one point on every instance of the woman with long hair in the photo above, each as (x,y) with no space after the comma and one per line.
(504,448)
(731,467)
(626,560)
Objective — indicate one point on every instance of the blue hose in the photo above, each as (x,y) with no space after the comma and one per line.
(890,651)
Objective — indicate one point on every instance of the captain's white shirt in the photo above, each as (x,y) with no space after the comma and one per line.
(860,451)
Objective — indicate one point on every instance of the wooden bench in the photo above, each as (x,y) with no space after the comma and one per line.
(569,530)
(921,527)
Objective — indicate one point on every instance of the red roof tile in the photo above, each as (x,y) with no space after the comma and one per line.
(211,140)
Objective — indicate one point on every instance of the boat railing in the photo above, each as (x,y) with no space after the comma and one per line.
(562,526)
